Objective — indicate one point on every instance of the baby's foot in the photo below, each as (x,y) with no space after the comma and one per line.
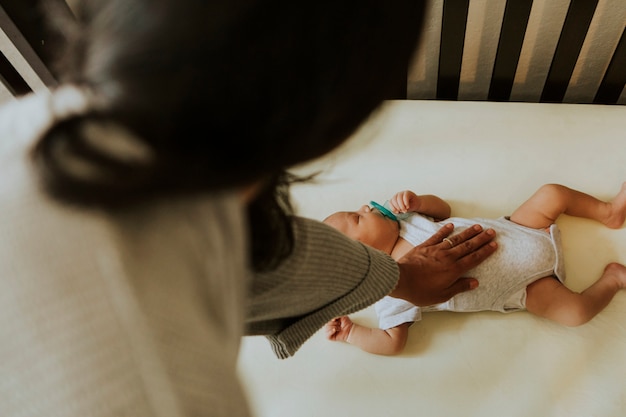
(616,272)
(617,209)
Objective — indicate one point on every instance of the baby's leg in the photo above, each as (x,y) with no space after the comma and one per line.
(549,298)
(551,200)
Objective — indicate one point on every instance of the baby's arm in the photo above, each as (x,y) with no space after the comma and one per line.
(428,205)
(377,341)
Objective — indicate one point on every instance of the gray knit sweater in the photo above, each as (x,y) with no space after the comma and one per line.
(318,282)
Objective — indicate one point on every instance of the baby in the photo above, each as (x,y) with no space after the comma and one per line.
(525,273)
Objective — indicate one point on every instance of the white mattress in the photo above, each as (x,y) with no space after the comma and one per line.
(485,159)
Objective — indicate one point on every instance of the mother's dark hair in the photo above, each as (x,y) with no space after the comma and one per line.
(223,93)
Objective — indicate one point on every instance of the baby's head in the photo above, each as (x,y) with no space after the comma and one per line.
(367,225)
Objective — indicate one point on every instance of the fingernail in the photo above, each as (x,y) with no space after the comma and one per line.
(491,232)
(478,227)
(473,284)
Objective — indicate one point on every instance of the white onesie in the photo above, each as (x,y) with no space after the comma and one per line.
(524,255)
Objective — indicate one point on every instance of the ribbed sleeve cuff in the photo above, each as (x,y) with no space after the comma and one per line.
(380,279)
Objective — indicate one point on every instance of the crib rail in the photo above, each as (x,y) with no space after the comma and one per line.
(559,51)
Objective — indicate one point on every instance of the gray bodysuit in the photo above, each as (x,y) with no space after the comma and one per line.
(524,255)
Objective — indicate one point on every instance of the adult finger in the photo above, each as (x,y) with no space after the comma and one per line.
(439,235)
(465,235)
(472,259)
(461,285)
(469,241)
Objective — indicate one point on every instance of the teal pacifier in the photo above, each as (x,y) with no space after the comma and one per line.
(386,212)
(385,209)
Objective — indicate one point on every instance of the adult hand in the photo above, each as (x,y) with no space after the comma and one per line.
(432,272)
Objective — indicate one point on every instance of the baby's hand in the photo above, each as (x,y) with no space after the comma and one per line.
(405,201)
(338,329)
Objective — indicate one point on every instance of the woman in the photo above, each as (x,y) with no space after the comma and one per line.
(126,263)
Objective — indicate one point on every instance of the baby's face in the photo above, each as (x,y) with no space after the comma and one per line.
(367,225)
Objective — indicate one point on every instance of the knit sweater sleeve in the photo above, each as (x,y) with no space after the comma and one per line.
(326,276)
